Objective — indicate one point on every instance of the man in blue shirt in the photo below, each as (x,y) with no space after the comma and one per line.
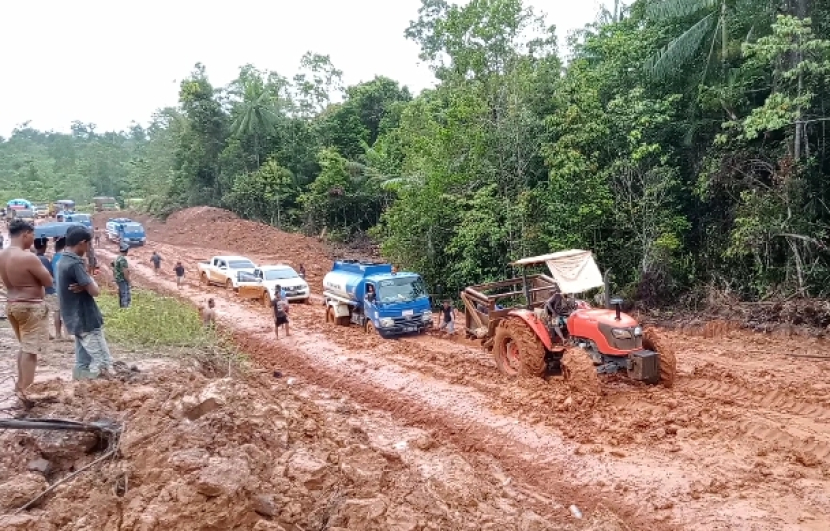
(80,311)
(51,296)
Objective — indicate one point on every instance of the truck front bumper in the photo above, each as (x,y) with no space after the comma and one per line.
(409,327)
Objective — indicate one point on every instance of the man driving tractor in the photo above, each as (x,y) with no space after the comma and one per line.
(557,308)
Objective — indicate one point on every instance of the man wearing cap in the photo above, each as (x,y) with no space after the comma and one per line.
(121,272)
(77,292)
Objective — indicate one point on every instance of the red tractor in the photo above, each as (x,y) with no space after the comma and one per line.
(510,319)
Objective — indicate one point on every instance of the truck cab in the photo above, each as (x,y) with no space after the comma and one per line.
(83,219)
(396,303)
(268,277)
(225,270)
(127,231)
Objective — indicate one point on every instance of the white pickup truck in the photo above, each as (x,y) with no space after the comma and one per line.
(261,284)
(224,270)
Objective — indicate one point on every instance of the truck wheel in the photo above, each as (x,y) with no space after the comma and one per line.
(329,315)
(517,350)
(667,360)
(579,372)
(205,280)
(229,284)
(266,300)
(370,329)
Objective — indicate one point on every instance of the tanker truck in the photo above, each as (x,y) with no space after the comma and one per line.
(396,303)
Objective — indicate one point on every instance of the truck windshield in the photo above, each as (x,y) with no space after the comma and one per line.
(280,274)
(404,289)
(241,264)
(80,217)
(132,228)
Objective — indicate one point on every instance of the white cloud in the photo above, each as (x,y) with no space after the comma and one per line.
(110,63)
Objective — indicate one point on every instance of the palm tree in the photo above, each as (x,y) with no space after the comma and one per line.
(711,23)
(256,112)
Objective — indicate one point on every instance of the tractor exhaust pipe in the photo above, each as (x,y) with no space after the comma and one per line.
(617,315)
(606,285)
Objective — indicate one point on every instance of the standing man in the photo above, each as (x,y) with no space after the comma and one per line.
(280,306)
(156,259)
(121,272)
(302,271)
(179,270)
(51,296)
(25,279)
(97,236)
(77,291)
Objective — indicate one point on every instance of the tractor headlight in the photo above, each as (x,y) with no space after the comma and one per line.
(387,322)
(621,333)
(426,316)
(638,331)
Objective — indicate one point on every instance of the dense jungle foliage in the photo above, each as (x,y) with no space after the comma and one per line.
(685,143)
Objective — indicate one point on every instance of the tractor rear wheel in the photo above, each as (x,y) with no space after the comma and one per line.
(517,350)
(668,361)
(579,372)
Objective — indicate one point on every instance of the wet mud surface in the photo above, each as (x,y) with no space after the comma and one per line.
(741,441)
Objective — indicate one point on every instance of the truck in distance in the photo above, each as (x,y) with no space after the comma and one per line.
(224,270)
(127,231)
(261,284)
(372,296)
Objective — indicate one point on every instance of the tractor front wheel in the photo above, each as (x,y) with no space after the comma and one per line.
(579,371)
(667,360)
(517,350)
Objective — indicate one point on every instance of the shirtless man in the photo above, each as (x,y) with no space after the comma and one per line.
(25,279)
(209,314)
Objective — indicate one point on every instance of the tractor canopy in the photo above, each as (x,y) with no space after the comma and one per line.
(575,271)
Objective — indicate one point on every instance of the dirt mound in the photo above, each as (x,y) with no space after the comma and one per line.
(199,453)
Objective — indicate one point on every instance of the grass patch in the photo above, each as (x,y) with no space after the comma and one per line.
(153,320)
(156,325)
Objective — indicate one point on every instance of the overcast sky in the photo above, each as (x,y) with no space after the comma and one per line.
(114,62)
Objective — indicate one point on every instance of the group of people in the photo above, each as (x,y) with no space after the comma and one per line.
(64,287)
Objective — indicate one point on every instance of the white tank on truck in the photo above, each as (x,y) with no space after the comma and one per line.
(371,295)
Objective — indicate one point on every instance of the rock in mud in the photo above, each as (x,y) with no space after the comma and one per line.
(42,466)
(65,444)
(265,505)
(223,477)
(307,468)
(188,459)
(363,467)
(17,491)
(359,513)
(211,398)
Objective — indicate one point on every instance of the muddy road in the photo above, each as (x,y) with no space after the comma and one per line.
(740,442)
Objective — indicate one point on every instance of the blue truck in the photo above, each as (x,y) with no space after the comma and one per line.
(372,296)
(126,231)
